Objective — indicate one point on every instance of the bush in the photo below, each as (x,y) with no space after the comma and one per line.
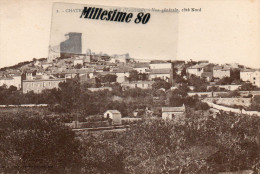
(31,143)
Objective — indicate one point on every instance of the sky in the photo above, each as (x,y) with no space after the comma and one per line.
(223,32)
(157,39)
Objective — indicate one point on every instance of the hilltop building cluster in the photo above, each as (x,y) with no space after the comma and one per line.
(66,61)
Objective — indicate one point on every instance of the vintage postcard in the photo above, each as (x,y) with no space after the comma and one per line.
(130,87)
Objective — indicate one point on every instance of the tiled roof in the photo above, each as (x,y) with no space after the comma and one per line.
(201,65)
(248,70)
(38,80)
(6,78)
(75,71)
(122,70)
(221,68)
(138,82)
(113,111)
(141,65)
(160,71)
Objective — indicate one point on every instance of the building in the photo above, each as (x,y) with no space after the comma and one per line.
(141,67)
(78,61)
(72,45)
(164,74)
(198,69)
(54,52)
(221,72)
(122,58)
(114,115)
(250,75)
(122,74)
(37,86)
(72,73)
(169,113)
(30,74)
(225,87)
(162,65)
(14,80)
(46,65)
(139,84)
(207,75)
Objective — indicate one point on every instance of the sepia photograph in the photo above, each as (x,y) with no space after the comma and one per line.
(129,87)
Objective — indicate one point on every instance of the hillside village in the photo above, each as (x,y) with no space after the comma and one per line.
(41,74)
(66,61)
(100,113)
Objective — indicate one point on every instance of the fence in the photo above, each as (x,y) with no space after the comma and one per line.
(24,105)
(234,110)
(218,94)
(230,101)
(77,124)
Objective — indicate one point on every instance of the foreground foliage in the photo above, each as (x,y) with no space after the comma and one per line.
(202,142)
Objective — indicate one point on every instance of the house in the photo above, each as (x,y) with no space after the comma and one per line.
(169,113)
(250,75)
(141,67)
(198,69)
(114,115)
(221,72)
(14,80)
(46,65)
(122,74)
(30,74)
(164,74)
(138,84)
(78,61)
(123,58)
(37,86)
(72,73)
(231,87)
(160,65)
(207,75)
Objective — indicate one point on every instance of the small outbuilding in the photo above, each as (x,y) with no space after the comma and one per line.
(173,112)
(114,115)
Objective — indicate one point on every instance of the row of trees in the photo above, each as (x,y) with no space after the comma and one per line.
(72,96)
(200,143)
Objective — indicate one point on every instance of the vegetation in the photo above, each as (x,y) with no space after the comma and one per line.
(72,96)
(201,143)
(33,143)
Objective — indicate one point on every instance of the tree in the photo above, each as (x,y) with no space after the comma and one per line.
(78,66)
(160,83)
(12,88)
(109,78)
(199,84)
(225,81)
(36,144)
(133,76)
(247,87)
(255,106)
(183,72)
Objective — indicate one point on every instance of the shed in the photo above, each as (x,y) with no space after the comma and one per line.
(172,112)
(114,115)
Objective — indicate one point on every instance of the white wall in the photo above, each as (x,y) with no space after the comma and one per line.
(160,66)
